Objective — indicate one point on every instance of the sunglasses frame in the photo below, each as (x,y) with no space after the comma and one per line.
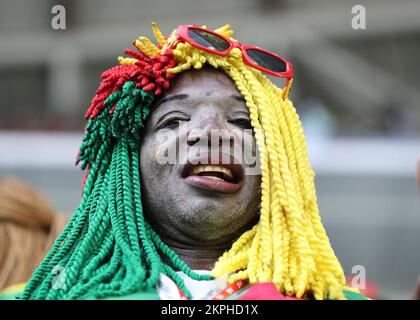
(182,36)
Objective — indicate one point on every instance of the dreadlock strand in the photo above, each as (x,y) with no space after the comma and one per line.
(158,35)
(277,193)
(265,183)
(152,256)
(143,48)
(150,45)
(300,241)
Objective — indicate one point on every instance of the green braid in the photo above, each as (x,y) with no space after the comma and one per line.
(108,249)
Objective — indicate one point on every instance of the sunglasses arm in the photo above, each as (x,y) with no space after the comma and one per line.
(287,87)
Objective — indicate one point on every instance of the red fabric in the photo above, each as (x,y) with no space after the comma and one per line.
(264,291)
(149,74)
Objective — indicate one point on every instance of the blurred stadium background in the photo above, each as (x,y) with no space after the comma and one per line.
(357,92)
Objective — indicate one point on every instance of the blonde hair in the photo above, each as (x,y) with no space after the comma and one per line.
(289,245)
(28,228)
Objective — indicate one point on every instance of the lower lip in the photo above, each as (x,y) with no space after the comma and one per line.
(213,185)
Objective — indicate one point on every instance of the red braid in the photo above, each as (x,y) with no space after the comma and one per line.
(149,74)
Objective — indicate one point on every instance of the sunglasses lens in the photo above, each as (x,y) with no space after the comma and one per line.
(266,60)
(208,40)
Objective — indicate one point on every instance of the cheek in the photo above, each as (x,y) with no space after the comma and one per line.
(148,157)
(246,149)
(254,185)
(153,156)
(251,193)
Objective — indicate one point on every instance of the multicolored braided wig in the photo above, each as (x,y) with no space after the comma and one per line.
(108,249)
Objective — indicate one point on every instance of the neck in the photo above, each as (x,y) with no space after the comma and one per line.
(197,258)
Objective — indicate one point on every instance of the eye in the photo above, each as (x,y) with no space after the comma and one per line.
(171,123)
(241,122)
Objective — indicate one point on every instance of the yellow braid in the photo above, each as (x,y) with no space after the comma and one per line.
(125,60)
(289,245)
(150,45)
(292,155)
(158,35)
(144,48)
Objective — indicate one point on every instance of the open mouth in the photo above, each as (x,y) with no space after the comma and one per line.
(222,178)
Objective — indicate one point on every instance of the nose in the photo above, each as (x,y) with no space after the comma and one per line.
(212,130)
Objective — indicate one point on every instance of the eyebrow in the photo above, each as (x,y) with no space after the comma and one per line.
(239,98)
(183,96)
(180,96)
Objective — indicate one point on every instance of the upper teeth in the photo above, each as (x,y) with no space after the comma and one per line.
(207,168)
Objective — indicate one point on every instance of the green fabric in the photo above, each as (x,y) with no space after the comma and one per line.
(350,295)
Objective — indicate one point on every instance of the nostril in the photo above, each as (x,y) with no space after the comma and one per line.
(194,136)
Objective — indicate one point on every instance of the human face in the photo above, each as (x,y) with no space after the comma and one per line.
(185,206)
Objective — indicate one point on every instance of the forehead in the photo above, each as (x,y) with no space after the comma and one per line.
(202,82)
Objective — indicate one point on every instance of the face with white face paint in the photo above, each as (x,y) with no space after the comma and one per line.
(206,203)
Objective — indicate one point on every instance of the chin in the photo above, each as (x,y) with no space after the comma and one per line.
(211,216)
(214,208)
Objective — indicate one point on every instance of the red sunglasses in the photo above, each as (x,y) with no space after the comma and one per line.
(213,42)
